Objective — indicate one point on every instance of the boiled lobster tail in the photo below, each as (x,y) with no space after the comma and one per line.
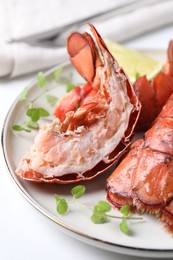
(95,122)
(85,57)
(144,179)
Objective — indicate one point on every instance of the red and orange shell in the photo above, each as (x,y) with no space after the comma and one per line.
(90,138)
(144,178)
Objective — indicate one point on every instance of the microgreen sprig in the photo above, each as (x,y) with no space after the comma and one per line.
(78,191)
(26,126)
(41,80)
(99,211)
(51,100)
(33,112)
(61,205)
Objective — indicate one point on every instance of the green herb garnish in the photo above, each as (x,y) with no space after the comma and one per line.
(125,210)
(78,191)
(36,113)
(123,225)
(20,128)
(99,211)
(57,73)
(51,99)
(32,125)
(33,112)
(41,80)
(99,218)
(61,205)
(24,94)
(102,207)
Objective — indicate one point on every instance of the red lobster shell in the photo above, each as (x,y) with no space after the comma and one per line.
(91,138)
(144,178)
(154,93)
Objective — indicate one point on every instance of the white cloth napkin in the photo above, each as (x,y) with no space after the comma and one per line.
(20,58)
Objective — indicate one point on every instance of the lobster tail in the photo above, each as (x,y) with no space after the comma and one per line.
(146,174)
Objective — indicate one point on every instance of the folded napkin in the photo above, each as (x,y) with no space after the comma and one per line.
(20,58)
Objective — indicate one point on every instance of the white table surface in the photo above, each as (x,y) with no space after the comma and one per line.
(24,232)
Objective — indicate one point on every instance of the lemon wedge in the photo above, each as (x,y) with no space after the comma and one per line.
(133,62)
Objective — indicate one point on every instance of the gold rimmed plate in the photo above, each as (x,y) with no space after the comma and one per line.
(146,237)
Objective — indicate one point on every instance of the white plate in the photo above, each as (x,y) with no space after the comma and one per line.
(147,237)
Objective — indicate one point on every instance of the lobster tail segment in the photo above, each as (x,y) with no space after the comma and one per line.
(95,121)
(146,174)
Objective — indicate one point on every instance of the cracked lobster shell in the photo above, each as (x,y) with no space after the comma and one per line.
(103,165)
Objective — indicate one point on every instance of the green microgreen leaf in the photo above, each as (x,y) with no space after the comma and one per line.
(17,127)
(99,215)
(123,226)
(137,75)
(41,80)
(69,87)
(20,128)
(34,114)
(98,218)
(57,73)
(32,125)
(102,207)
(51,100)
(24,94)
(78,191)
(61,206)
(57,198)
(125,210)
(43,112)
